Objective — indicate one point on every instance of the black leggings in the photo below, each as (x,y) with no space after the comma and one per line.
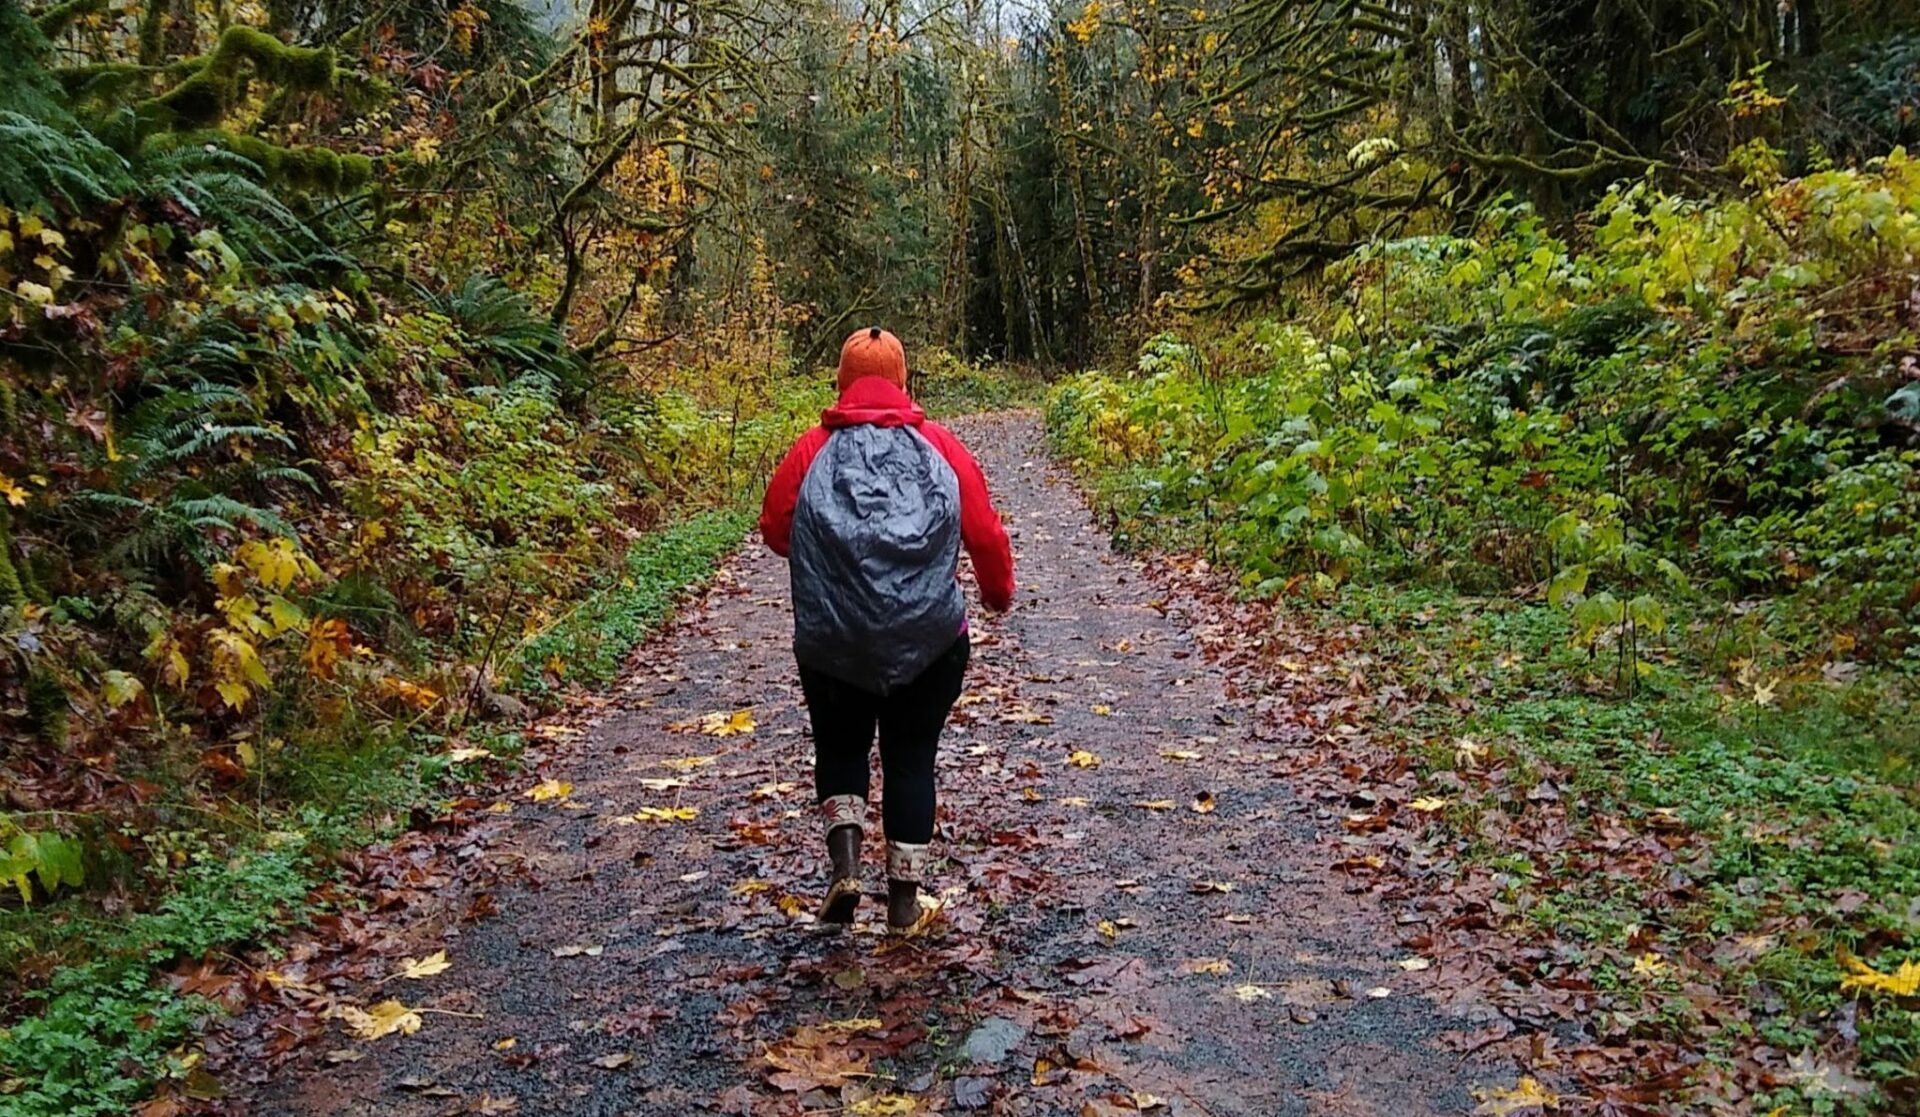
(910,720)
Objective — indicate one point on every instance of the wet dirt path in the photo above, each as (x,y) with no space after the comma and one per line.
(1139,914)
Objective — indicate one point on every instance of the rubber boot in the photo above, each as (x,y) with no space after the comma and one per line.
(903,905)
(843,887)
(906,868)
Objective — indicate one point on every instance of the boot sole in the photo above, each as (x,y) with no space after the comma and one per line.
(843,899)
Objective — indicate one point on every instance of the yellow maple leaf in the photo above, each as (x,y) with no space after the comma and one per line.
(1902,982)
(1427,804)
(883,1105)
(549,789)
(660,814)
(15,495)
(686,763)
(1649,965)
(1498,1101)
(1081,758)
(383,1019)
(739,723)
(416,969)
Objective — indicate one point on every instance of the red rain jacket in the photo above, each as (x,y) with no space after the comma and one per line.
(877,401)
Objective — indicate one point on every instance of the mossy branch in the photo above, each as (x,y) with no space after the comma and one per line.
(300,167)
(212,88)
(55,21)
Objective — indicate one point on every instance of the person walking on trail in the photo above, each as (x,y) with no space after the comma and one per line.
(871,509)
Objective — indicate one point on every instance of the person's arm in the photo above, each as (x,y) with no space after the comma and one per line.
(980,527)
(783,491)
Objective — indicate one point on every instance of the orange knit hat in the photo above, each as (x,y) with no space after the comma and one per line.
(872,352)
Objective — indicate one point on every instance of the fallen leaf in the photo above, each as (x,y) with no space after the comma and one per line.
(1250,993)
(1103,711)
(666,784)
(1156,804)
(739,723)
(855,1024)
(883,1105)
(614,1061)
(575,951)
(1497,1101)
(414,969)
(1427,804)
(466,753)
(381,1020)
(1649,965)
(1412,965)
(486,1105)
(686,763)
(1182,754)
(657,814)
(549,789)
(1204,887)
(1081,758)
(1902,982)
(1204,803)
(1205,966)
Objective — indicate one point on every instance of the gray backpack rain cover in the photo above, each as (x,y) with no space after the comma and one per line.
(874,556)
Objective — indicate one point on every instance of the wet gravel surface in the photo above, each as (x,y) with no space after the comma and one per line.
(1137,908)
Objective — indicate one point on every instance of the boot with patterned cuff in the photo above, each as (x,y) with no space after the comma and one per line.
(844,816)
(906,868)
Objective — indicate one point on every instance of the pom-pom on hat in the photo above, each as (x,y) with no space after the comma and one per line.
(872,352)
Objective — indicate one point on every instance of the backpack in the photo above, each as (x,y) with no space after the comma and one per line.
(874,557)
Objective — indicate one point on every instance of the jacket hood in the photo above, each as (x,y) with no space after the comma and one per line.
(873,401)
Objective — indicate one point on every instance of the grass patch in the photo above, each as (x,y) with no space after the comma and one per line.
(588,645)
(1785,813)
